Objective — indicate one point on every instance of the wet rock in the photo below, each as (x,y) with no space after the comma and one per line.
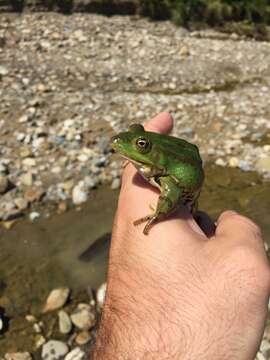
(83,317)
(75,354)
(34,215)
(54,350)
(83,338)
(56,299)
(4,184)
(18,356)
(39,341)
(64,322)
(101,292)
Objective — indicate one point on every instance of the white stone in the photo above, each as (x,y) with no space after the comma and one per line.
(29,162)
(3,70)
(23,119)
(101,292)
(64,322)
(34,215)
(56,299)
(79,194)
(233,162)
(75,354)
(263,164)
(18,356)
(83,318)
(220,162)
(54,350)
(27,179)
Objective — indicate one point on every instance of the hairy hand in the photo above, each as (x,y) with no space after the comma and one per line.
(182,292)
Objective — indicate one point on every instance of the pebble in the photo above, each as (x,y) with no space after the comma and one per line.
(115,184)
(83,338)
(54,350)
(83,317)
(18,356)
(79,194)
(64,322)
(101,292)
(4,184)
(56,299)
(263,164)
(27,179)
(3,70)
(34,215)
(75,354)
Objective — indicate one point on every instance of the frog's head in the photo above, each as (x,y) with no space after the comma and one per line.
(134,144)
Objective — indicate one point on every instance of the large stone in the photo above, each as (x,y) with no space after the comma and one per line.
(56,299)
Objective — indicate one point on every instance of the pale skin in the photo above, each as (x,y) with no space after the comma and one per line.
(181,292)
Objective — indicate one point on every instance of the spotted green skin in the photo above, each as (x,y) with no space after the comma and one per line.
(169,163)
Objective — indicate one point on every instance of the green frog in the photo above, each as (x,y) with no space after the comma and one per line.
(171,164)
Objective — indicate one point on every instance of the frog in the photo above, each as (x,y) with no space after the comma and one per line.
(171,164)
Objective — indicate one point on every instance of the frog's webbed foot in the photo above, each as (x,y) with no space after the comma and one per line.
(167,202)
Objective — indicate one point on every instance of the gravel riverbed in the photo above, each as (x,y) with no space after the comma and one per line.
(68,83)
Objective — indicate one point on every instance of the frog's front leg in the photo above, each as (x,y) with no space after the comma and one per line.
(168,200)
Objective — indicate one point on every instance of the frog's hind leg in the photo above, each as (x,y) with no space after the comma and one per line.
(167,202)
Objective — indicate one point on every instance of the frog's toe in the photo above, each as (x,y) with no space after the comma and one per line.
(142,220)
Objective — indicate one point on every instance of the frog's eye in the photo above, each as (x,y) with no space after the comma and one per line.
(143,144)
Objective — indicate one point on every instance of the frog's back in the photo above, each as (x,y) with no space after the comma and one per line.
(184,162)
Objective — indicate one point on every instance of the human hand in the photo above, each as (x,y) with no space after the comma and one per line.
(180,292)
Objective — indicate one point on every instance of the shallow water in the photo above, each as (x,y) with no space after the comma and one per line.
(72,249)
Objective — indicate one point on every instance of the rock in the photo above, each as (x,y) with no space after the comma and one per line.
(39,341)
(34,215)
(33,194)
(263,164)
(3,70)
(101,292)
(56,299)
(29,162)
(184,51)
(75,354)
(27,179)
(115,184)
(18,356)
(4,184)
(24,118)
(233,162)
(54,350)
(83,317)
(83,338)
(220,162)
(79,193)
(64,322)
(21,203)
